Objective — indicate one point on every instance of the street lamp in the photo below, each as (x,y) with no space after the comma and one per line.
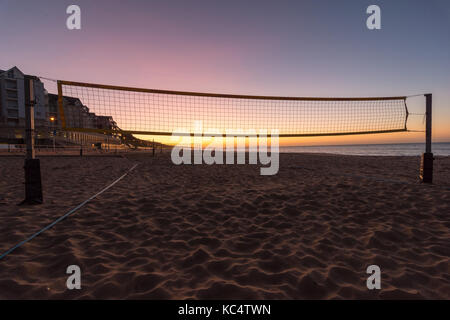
(52,120)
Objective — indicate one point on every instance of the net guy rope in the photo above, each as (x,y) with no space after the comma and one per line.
(67,214)
(165,112)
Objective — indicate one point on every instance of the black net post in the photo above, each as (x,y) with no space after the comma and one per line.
(426,164)
(33,185)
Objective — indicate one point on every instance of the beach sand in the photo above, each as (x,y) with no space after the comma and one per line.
(224,231)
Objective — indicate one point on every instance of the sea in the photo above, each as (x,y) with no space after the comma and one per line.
(399,149)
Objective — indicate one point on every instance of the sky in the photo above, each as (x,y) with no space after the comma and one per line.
(285,48)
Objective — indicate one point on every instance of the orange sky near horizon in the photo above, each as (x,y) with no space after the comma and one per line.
(385,138)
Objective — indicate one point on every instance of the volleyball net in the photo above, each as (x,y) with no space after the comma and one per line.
(108,109)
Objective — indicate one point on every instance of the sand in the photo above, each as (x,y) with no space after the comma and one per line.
(224,231)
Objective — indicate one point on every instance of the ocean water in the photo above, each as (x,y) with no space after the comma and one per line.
(400,149)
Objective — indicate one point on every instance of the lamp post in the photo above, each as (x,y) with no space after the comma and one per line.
(52,121)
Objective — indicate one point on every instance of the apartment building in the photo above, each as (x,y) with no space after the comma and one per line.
(12,100)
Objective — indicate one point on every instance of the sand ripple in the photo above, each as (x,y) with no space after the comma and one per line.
(225,232)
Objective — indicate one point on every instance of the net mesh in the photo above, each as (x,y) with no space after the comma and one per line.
(141,111)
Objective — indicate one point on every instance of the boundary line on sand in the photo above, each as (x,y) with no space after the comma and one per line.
(67,214)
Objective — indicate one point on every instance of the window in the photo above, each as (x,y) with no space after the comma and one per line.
(12,104)
(11,84)
(13,113)
(12,94)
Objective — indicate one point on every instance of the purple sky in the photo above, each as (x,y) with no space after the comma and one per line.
(298,48)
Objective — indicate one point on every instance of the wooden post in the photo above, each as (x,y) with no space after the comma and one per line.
(33,186)
(81,144)
(426,164)
(153,147)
